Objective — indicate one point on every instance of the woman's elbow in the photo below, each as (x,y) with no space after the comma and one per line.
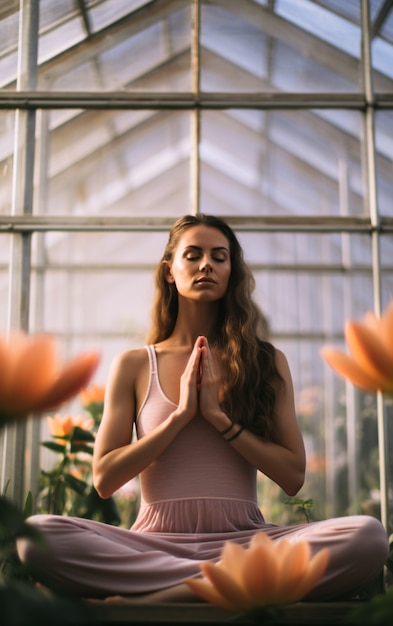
(294,482)
(294,487)
(100,489)
(100,484)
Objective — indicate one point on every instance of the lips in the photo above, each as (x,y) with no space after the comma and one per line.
(206,280)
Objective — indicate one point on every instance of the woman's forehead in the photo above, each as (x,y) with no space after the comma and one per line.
(204,236)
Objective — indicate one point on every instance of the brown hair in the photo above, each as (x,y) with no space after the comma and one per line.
(248,364)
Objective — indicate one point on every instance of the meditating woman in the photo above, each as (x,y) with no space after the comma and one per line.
(211,401)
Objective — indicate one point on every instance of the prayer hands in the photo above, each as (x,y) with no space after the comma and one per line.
(208,382)
(199,383)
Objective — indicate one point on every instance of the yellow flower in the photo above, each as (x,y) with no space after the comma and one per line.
(92,395)
(265,574)
(32,380)
(62,426)
(370,365)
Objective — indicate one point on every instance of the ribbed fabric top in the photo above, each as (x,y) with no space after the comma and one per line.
(179,491)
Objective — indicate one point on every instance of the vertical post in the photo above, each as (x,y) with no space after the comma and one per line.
(196,113)
(14,437)
(372,202)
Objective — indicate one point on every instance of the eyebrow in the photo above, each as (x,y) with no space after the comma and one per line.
(215,249)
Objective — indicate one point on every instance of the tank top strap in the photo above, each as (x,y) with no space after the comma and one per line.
(153,382)
(152,359)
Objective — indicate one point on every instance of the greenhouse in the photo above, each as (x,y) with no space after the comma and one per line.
(119,116)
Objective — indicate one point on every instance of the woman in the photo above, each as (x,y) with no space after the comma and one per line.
(212,402)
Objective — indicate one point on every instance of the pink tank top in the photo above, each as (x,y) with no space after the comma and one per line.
(199,463)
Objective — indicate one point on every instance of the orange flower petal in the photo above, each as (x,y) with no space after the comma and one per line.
(34,368)
(315,570)
(233,559)
(55,425)
(292,568)
(261,539)
(346,367)
(369,352)
(225,584)
(92,394)
(32,381)
(260,575)
(73,377)
(4,366)
(28,370)
(205,590)
(386,326)
(68,425)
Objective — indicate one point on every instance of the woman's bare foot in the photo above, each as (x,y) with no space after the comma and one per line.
(179,593)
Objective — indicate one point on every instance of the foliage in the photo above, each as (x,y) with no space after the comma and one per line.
(21,602)
(13,527)
(67,489)
(304,505)
(377,611)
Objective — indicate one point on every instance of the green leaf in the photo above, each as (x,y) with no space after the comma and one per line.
(78,434)
(76,484)
(306,503)
(55,447)
(81,447)
(12,522)
(28,506)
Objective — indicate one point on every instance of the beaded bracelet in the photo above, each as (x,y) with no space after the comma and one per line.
(224,432)
(236,434)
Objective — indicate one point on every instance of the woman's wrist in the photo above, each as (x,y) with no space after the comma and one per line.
(231,431)
(234,435)
(228,429)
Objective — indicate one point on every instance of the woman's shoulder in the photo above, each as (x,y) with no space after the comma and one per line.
(131,358)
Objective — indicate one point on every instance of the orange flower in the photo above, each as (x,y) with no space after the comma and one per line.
(92,395)
(31,379)
(62,426)
(266,574)
(370,366)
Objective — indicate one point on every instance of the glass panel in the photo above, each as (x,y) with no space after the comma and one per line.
(384,160)
(387,269)
(382,49)
(281,162)
(9,34)
(292,47)
(144,52)
(7,121)
(4,280)
(133,163)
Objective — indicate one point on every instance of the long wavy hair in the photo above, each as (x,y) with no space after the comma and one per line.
(249,372)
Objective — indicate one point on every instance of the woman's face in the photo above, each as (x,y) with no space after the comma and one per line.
(201,265)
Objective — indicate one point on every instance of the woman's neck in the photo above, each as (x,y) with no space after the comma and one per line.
(194,321)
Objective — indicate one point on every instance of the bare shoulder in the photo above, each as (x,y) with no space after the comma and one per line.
(280,359)
(128,364)
(132,357)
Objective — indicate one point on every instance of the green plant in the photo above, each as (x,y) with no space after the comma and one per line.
(67,489)
(304,505)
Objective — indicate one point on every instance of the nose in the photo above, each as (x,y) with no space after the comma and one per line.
(206,265)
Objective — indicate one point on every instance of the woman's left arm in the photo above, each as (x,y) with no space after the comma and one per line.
(284,459)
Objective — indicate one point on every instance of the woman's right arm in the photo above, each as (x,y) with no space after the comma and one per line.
(116,460)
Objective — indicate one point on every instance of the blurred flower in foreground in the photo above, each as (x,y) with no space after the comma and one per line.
(265,574)
(370,366)
(31,378)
